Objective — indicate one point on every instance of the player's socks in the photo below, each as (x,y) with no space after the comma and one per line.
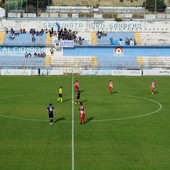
(51,121)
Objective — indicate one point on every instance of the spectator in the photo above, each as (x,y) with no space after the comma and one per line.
(52,51)
(35,54)
(33,39)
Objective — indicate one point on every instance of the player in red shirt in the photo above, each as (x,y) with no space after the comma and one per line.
(110,87)
(76,86)
(153,86)
(82,113)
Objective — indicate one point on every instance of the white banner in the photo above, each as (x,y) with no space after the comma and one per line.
(103,72)
(112,72)
(127,72)
(42,72)
(89,25)
(67,43)
(16,72)
(156,72)
(55,72)
(88,72)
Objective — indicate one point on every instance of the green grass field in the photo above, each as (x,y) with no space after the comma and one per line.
(127,130)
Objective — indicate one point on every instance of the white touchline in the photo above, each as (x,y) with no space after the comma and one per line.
(72,122)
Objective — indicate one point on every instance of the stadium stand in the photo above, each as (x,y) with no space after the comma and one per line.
(86,62)
(16,60)
(140,61)
(111,63)
(104,9)
(2,37)
(86,36)
(93,38)
(15,37)
(93,44)
(154,62)
(157,38)
(116,38)
(48,61)
(89,38)
(137,37)
(49,39)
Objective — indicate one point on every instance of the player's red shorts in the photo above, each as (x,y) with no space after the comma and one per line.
(82,115)
(76,88)
(110,87)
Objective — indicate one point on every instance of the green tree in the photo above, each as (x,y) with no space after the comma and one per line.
(155,5)
(33,5)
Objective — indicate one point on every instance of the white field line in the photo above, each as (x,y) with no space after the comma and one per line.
(97,120)
(72,122)
(137,116)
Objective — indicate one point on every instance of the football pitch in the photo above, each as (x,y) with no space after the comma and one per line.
(126,130)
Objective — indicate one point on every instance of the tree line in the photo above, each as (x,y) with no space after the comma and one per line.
(40,5)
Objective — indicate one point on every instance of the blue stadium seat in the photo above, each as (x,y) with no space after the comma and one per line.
(108,63)
(113,38)
(20,60)
(24,39)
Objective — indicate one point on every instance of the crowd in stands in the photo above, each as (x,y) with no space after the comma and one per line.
(40,55)
(67,34)
(121,39)
(34,32)
(101,34)
(13,33)
(127,41)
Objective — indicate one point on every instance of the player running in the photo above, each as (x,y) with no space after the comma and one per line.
(76,86)
(153,86)
(50,110)
(82,113)
(110,87)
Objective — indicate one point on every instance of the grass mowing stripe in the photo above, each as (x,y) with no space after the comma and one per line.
(133,144)
(137,116)
(102,120)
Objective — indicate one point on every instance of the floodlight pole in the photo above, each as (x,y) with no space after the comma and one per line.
(6,7)
(5,10)
(26,6)
(37,7)
(155,6)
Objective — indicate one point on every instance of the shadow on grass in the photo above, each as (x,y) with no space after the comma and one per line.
(59,119)
(66,100)
(82,91)
(114,92)
(83,101)
(89,119)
